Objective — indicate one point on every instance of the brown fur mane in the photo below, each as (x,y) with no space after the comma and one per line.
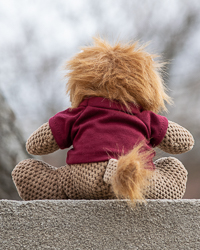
(125,73)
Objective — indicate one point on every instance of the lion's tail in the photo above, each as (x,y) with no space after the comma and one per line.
(132,176)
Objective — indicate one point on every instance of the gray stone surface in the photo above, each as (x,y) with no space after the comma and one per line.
(102,224)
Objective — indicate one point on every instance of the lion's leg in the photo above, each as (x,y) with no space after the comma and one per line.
(36,180)
(169,181)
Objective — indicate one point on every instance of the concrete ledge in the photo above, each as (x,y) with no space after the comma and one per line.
(102,224)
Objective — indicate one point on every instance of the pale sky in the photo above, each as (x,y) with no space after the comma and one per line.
(33,31)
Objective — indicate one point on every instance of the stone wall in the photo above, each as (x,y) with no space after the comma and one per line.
(102,224)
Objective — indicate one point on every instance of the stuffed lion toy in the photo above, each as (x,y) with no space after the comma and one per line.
(116,93)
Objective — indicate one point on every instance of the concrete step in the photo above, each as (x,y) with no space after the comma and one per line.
(101,224)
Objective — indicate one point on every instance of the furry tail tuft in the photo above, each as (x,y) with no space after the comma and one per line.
(132,176)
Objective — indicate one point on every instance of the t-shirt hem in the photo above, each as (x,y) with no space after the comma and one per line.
(162,132)
(56,132)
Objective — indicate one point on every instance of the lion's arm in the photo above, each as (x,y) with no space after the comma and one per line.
(177,139)
(41,142)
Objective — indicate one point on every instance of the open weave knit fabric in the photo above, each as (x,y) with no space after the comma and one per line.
(169,181)
(42,142)
(37,180)
(177,140)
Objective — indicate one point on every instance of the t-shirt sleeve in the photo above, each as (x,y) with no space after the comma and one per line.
(158,127)
(61,126)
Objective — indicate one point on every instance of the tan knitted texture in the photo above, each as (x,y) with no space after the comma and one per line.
(41,142)
(85,181)
(37,180)
(110,170)
(177,139)
(169,181)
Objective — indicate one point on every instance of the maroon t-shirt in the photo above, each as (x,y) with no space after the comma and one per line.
(100,129)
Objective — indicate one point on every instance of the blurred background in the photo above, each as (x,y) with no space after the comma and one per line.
(37,37)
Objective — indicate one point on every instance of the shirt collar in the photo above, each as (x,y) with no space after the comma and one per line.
(108,104)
